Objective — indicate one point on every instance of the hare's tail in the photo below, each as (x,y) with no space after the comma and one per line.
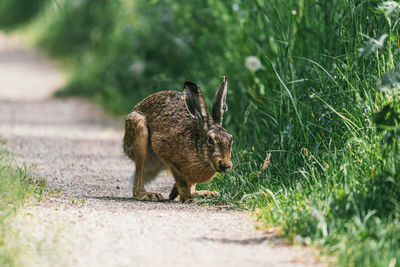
(129,139)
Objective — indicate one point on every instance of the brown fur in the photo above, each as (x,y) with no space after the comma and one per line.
(173,129)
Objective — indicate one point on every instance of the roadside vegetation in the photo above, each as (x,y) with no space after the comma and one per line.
(16,186)
(313,84)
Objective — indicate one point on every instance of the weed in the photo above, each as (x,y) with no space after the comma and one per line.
(16,185)
(77,201)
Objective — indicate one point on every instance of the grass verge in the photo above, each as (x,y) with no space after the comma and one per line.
(16,186)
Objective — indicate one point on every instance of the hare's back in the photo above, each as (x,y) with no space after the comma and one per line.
(162,105)
(171,128)
(166,111)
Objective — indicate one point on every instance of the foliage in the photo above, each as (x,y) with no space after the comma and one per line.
(16,184)
(16,12)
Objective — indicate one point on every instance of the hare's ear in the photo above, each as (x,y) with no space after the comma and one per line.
(219,105)
(195,103)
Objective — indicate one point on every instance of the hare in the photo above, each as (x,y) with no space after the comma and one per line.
(174,130)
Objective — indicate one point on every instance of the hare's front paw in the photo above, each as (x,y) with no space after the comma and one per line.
(148,196)
(183,194)
(205,193)
(195,196)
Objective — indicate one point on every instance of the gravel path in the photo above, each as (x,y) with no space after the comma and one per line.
(93,221)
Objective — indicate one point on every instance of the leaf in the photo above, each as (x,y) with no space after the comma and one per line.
(388,118)
(391,78)
(389,8)
(264,166)
(371,45)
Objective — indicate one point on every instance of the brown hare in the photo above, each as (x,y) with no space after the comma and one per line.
(175,130)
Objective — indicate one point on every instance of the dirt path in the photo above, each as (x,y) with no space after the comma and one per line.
(93,221)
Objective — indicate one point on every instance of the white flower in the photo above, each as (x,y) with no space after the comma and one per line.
(137,67)
(253,63)
(235,7)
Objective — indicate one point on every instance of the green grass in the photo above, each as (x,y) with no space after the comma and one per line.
(16,185)
(324,103)
(15,13)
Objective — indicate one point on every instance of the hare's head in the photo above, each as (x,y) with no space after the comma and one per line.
(214,141)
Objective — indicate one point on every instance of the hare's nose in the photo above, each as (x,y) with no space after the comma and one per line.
(226,166)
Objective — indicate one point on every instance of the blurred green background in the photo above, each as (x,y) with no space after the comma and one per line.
(314,83)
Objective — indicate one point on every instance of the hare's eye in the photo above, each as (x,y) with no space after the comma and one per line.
(210,141)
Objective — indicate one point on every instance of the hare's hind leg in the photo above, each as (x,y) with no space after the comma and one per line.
(152,167)
(136,146)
